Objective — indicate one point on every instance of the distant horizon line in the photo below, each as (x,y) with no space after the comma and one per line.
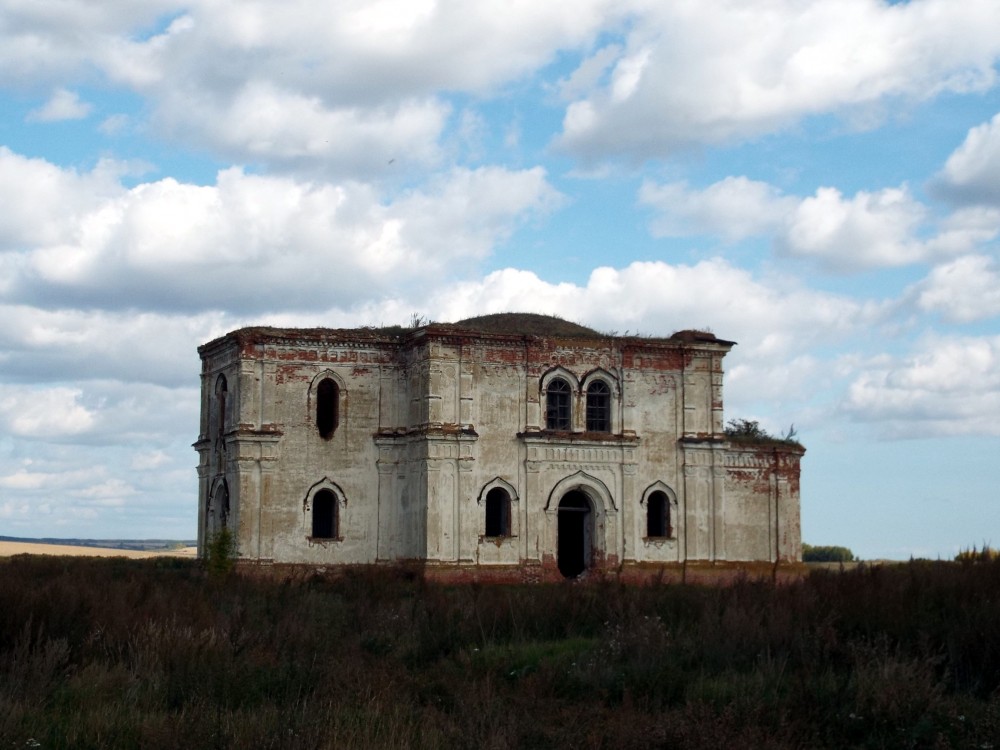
(81,541)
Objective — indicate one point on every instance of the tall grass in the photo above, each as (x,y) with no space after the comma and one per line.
(117,653)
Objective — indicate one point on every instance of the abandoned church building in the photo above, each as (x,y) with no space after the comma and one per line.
(506,447)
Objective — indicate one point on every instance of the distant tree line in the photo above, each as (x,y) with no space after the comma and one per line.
(821,553)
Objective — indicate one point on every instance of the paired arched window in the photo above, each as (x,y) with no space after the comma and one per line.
(598,407)
(558,405)
(559,398)
(324,515)
(497,513)
(327,407)
(658,522)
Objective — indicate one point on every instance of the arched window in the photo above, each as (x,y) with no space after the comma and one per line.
(497,513)
(221,505)
(324,511)
(221,391)
(598,407)
(217,509)
(558,412)
(658,516)
(327,407)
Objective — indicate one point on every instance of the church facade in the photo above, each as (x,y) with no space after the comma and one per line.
(509,446)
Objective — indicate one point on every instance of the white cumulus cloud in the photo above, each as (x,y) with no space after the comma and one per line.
(965,290)
(248,243)
(972,172)
(63,105)
(54,412)
(735,207)
(44,203)
(694,73)
(871,229)
(948,386)
(305,85)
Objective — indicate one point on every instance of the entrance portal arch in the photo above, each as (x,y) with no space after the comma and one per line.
(581,521)
(575,534)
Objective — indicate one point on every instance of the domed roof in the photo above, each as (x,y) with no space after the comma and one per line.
(531,324)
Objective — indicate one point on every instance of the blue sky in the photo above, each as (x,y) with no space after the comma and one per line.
(818,181)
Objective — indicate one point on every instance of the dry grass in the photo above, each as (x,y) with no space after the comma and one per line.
(9,549)
(115,653)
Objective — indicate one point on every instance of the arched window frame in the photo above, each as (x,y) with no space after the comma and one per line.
(612,397)
(339,406)
(511,502)
(309,510)
(567,422)
(559,406)
(672,519)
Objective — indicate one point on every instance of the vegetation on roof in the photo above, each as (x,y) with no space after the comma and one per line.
(694,334)
(534,324)
(750,431)
(508,323)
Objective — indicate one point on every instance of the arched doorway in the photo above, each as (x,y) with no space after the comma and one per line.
(575,534)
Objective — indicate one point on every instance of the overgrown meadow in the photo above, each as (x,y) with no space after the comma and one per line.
(112,653)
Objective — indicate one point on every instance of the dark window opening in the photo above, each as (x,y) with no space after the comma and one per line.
(324,519)
(574,531)
(217,512)
(222,505)
(497,513)
(557,405)
(221,391)
(658,516)
(598,407)
(327,407)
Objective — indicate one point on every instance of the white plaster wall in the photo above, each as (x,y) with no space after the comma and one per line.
(425,427)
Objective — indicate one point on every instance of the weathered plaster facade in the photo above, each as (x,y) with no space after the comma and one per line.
(502,452)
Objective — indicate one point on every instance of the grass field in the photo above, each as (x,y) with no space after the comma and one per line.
(118,653)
